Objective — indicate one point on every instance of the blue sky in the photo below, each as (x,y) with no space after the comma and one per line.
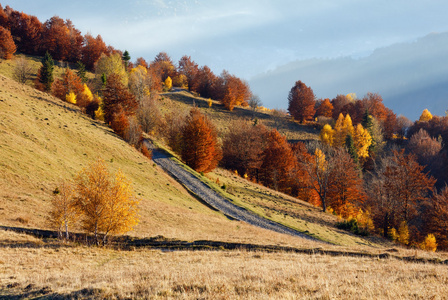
(248,37)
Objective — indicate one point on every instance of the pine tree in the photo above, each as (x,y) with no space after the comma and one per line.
(350,145)
(126,58)
(81,71)
(45,75)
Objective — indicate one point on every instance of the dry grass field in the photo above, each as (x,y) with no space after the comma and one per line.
(31,268)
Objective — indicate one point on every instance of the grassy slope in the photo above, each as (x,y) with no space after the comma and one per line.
(44,140)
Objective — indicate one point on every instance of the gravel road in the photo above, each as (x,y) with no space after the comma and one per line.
(213,199)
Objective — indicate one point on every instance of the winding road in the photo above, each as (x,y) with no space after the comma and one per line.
(212,198)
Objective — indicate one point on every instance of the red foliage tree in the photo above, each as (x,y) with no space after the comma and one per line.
(373,103)
(436,218)
(117,98)
(345,192)
(339,103)
(204,82)
(56,38)
(4,20)
(301,102)
(243,147)
(397,190)
(231,91)
(188,68)
(200,148)
(27,31)
(92,50)
(279,163)
(7,46)
(325,108)
(163,66)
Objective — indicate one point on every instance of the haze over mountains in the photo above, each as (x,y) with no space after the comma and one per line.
(409,76)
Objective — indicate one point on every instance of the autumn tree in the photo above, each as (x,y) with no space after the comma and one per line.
(64,212)
(163,66)
(425,116)
(301,102)
(22,70)
(397,190)
(204,82)
(149,115)
(188,68)
(362,140)
(106,201)
(231,91)
(424,146)
(254,103)
(243,147)
(200,148)
(345,188)
(327,135)
(339,105)
(55,38)
(108,65)
(174,122)
(319,169)
(373,103)
(168,84)
(45,78)
(92,50)
(278,162)
(27,31)
(342,128)
(70,83)
(7,46)
(325,108)
(436,217)
(117,98)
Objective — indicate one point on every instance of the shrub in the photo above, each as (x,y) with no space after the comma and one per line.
(352,226)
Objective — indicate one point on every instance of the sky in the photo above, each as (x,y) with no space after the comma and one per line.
(248,37)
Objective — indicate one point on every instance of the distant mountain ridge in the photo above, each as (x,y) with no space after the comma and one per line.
(409,76)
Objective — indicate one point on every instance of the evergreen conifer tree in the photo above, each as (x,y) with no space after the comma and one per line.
(46,72)
(350,145)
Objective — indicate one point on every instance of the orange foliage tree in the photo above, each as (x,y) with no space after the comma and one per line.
(345,192)
(437,218)
(278,164)
(325,108)
(106,201)
(243,147)
(301,102)
(70,83)
(92,50)
(200,148)
(188,68)
(397,190)
(27,31)
(117,98)
(7,46)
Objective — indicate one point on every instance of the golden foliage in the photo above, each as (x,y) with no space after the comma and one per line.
(403,233)
(362,141)
(343,127)
(63,209)
(425,116)
(327,135)
(429,244)
(168,84)
(106,201)
(87,93)
(71,98)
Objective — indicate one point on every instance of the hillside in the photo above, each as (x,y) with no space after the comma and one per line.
(44,140)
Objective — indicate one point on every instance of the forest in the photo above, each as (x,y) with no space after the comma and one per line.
(382,173)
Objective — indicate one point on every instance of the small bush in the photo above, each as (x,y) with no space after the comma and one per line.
(146,152)
(352,226)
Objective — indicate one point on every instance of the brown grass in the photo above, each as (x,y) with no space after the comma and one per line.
(29,268)
(222,118)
